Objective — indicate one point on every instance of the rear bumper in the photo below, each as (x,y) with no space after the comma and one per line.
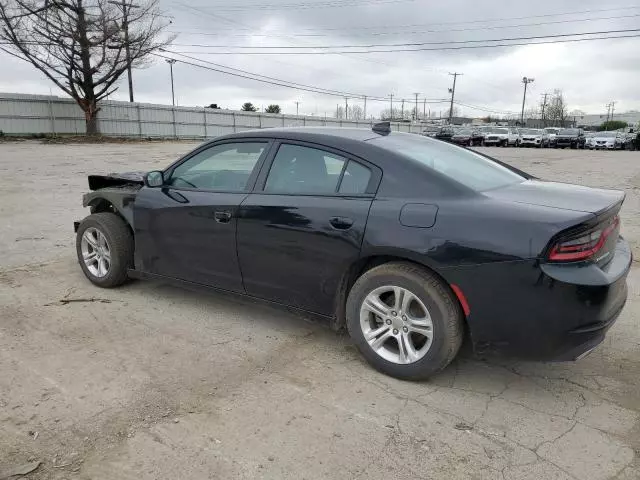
(544,312)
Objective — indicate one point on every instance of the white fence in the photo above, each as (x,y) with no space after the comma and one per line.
(38,114)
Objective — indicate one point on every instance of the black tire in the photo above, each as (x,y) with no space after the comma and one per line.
(444,309)
(120,240)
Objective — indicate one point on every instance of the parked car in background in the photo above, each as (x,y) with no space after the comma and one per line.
(431,131)
(445,133)
(279,214)
(531,137)
(570,137)
(551,134)
(467,137)
(502,137)
(607,141)
(631,141)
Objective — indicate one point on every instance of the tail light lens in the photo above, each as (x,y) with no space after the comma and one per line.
(586,245)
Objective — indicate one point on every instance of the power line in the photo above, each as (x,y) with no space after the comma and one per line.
(410,44)
(280,82)
(467,22)
(461,47)
(404,32)
(305,5)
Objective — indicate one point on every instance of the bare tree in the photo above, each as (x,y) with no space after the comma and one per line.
(83,46)
(556,110)
(356,112)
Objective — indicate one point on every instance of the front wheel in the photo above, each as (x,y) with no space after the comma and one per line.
(404,320)
(104,245)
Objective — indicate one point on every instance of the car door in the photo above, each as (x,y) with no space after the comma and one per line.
(304,224)
(186,229)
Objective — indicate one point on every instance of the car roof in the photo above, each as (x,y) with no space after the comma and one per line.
(308,133)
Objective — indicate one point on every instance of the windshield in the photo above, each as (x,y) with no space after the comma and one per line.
(551,130)
(530,131)
(607,134)
(503,131)
(463,131)
(463,166)
(568,131)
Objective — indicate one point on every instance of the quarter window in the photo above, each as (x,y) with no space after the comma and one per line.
(298,169)
(356,179)
(225,167)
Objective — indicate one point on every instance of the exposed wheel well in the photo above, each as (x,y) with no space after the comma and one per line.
(102,205)
(357,269)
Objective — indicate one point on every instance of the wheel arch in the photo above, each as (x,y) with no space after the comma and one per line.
(111,201)
(372,260)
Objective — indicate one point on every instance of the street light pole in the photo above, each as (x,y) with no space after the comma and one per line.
(171,61)
(526,82)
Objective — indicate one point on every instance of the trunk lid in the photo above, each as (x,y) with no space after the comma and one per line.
(559,195)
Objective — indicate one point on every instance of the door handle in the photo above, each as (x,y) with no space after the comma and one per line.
(222,216)
(341,223)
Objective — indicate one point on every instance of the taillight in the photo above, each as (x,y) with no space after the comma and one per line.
(584,246)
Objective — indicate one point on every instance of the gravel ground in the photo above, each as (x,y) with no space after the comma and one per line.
(157,382)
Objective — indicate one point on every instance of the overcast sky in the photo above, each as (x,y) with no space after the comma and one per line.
(591,74)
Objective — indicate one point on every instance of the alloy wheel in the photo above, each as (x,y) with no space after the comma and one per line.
(396,324)
(96,252)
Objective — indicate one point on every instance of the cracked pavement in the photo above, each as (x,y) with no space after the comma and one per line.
(161,382)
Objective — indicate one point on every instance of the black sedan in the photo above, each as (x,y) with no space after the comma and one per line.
(445,134)
(467,137)
(570,137)
(404,240)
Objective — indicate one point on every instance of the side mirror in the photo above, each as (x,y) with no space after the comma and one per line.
(154,179)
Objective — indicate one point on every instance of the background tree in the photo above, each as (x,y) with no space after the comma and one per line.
(556,110)
(273,109)
(356,112)
(340,112)
(613,125)
(81,45)
(248,107)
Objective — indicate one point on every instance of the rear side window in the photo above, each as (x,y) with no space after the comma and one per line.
(460,165)
(298,169)
(355,180)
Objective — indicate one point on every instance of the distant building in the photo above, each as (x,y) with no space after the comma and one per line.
(594,120)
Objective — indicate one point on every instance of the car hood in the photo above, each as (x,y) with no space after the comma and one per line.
(114,179)
(559,195)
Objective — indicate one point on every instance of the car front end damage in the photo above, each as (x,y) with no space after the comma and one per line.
(114,193)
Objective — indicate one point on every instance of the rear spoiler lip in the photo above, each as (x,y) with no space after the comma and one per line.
(586,225)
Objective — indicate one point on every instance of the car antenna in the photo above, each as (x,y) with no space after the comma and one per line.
(383,128)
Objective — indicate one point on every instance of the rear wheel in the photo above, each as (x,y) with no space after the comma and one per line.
(404,320)
(104,245)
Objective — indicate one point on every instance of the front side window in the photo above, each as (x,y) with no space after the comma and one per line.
(225,167)
(298,169)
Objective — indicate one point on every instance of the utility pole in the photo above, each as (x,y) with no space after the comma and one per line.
(125,28)
(346,108)
(297,106)
(402,110)
(608,110)
(365,108)
(424,109)
(526,82)
(171,61)
(391,107)
(416,112)
(544,106)
(613,107)
(452,91)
